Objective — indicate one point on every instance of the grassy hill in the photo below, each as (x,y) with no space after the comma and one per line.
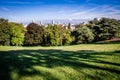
(77,62)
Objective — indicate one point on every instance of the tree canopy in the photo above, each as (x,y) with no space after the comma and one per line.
(83,35)
(105,28)
(5,32)
(15,34)
(34,35)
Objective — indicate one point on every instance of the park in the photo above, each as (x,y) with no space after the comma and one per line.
(99,61)
(60,40)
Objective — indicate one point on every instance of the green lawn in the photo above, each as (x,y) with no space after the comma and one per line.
(77,62)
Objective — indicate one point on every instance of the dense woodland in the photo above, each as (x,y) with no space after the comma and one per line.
(15,34)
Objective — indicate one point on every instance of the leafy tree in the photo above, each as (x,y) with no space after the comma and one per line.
(34,35)
(64,35)
(105,28)
(57,35)
(83,35)
(69,26)
(52,36)
(118,32)
(95,21)
(67,38)
(18,32)
(5,32)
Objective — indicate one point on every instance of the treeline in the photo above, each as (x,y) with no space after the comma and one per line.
(15,34)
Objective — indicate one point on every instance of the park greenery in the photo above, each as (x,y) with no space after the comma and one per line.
(98,60)
(15,34)
(74,62)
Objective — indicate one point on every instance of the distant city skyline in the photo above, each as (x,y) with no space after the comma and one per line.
(27,10)
(57,21)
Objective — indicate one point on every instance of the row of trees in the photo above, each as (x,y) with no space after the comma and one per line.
(12,33)
(53,35)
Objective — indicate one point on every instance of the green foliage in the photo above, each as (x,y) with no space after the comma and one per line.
(18,32)
(105,28)
(67,38)
(12,33)
(64,35)
(118,31)
(34,35)
(69,25)
(57,35)
(52,35)
(83,35)
(79,25)
(5,32)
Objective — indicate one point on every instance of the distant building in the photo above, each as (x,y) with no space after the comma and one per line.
(53,22)
(63,22)
(118,20)
(72,27)
(41,22)
(33,21)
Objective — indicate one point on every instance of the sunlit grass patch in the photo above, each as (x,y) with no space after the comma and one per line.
(78,62)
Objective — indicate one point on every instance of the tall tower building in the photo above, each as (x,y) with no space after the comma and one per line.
(33,20)
(40,22)
(53,22)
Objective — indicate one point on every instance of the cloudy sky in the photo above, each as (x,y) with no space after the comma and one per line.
(26,10)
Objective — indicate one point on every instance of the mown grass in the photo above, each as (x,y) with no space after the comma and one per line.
(77,62)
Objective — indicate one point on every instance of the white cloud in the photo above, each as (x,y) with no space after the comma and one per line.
(83,12)
(5,9)
(60,12)
(99,11)
(14,17)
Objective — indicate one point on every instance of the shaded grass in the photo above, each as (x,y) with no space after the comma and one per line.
(108,42)
(78,62)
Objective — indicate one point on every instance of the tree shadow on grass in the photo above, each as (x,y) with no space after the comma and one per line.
(109,42)
(23,60)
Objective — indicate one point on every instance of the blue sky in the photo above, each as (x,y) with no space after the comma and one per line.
(26,10)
